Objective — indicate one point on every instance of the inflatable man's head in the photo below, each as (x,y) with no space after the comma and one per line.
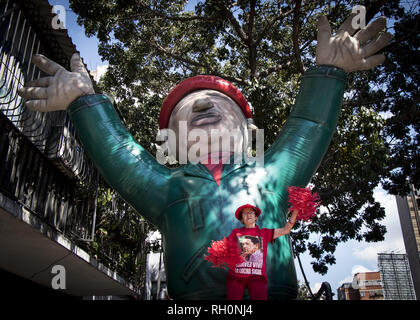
(205,115)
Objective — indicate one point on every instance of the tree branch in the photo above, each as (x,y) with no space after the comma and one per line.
(251,45)
(410,116)
(372,10)
(235,24)
(186,18)
(268,71)
(189,62)
(296,36)
(182,58)
(271,23)
(251,19)
(183,17)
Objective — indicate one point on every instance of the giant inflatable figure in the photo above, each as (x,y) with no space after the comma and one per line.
(192,205)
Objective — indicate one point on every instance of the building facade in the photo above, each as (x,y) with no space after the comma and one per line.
(48,186)
(408,211)
(396,276)
(369,285)
(347,292)
(365,286)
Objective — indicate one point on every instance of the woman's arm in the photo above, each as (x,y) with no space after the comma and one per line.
(288,226)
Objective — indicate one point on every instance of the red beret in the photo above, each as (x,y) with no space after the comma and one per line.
(197,83)
(239,210)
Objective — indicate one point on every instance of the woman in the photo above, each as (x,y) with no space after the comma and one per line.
(253,243)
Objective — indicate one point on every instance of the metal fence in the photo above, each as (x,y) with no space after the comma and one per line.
(39,152)
(51,133)
(42,164)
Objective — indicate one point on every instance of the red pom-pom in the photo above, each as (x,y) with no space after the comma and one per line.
(224,253)
(304,201)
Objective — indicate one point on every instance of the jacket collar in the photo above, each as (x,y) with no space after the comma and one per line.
(199,170)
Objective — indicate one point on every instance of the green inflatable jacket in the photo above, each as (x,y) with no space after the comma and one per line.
(188,206)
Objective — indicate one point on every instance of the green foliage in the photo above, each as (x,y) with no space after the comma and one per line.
(303,292)
(263,48)
(120,233)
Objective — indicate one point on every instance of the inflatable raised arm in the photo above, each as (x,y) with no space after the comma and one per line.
(296,154)
(124,163)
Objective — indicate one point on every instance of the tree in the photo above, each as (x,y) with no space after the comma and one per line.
(119,239)
(263,47)
(303,292)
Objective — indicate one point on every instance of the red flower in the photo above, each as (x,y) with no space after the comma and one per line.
(304,201)
(224,253)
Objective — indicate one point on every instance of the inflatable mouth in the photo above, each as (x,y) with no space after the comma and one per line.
(206,119)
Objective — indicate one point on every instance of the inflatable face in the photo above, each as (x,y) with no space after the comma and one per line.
(207,122)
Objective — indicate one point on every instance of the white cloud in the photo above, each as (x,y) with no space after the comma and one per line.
(393,238)
(315,288)
(369,252)
(355,269)
(359,268)
(345,280)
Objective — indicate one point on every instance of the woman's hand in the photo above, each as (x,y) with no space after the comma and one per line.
(288,226)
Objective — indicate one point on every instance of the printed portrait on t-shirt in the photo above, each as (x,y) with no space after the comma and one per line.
(252,252)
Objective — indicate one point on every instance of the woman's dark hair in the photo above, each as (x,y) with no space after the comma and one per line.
(254,240)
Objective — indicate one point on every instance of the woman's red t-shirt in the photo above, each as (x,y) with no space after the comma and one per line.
(253,243)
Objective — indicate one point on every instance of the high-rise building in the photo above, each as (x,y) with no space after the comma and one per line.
(395,276)
(409,212)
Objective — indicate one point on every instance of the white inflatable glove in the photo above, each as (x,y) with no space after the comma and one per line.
(61,88)
(349,50)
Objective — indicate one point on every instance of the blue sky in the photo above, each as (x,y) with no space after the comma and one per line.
(88,47)
(351,257)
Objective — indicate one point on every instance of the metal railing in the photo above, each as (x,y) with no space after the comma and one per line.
(27,177)
(42,164)
(52,133)
(28,139)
